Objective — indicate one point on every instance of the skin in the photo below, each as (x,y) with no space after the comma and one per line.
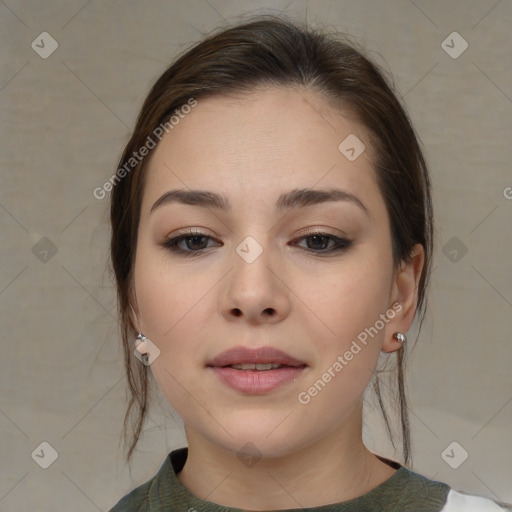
(312,306)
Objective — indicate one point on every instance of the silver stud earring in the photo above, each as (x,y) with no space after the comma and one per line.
(140,337)
(138,340)
(402,338)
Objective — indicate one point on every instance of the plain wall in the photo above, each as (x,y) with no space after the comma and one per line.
(64,121)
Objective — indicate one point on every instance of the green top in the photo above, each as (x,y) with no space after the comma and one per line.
(404,491)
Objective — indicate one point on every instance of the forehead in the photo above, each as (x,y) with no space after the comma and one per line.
(256,145)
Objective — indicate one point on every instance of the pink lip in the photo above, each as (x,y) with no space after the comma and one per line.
(255,382)
(240,355)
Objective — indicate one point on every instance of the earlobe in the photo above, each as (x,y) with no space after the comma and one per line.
(141,349)
(395,343)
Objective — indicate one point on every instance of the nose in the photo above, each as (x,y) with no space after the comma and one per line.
(255,291)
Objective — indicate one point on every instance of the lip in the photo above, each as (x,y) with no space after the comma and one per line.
(255,382)
(240,355)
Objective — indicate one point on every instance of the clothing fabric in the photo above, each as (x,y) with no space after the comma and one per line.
(404,491)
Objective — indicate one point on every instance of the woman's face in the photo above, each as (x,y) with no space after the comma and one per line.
(255,276)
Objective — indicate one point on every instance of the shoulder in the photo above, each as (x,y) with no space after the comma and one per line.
(408,490)
(462,502)
(149,496)
(135,501)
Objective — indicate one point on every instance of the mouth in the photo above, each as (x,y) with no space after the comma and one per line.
(256,371)
(260,367)
(259,359)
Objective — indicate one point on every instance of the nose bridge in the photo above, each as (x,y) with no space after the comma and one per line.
(254,288)
(253,266)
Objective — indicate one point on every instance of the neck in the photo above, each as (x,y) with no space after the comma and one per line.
(338,464)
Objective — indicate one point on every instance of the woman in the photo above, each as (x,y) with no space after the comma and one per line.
(271,238)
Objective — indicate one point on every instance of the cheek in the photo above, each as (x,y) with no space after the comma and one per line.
(157,299)
(349,301)
(351,298)
(171,306)
(174,308)
(348,352)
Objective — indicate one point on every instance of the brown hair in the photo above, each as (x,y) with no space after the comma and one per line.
(275,51)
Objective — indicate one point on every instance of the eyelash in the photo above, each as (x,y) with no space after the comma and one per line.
(341,244)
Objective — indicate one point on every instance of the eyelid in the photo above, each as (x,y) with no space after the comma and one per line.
(188,232)
(318,230)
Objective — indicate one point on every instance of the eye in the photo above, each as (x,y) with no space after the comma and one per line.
(320,242)
(194,242)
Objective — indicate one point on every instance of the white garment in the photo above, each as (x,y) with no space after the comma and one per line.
(458,502)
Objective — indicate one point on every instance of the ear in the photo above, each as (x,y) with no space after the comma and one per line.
(134,310)
(135,316)
(404,291)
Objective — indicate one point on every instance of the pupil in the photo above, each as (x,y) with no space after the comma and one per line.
(317,237)
(195,237)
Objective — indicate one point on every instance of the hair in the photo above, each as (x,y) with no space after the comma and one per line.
(274,51)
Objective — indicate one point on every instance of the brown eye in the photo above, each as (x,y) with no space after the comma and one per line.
(319,242)
(193,243)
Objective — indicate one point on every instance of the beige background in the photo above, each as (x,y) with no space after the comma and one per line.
(64,122)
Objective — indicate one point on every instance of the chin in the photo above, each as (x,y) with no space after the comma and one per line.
(265,437)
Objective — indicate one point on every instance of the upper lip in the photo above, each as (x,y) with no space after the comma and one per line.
(261,355)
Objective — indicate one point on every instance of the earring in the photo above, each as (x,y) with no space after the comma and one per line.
(140,337)
(143,357)
(402,338)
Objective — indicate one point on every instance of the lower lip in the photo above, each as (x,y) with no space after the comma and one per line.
(257,382)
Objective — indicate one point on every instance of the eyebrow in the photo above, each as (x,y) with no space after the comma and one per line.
(296,198)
